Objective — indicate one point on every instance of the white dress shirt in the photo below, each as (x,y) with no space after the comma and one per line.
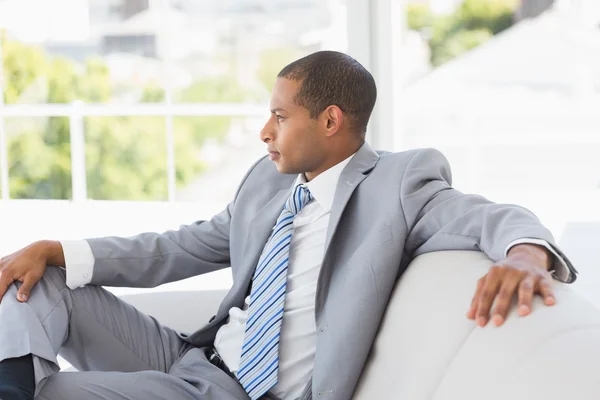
(297,342)
(298,331)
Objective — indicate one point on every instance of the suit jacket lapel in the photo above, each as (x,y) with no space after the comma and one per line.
(354,173)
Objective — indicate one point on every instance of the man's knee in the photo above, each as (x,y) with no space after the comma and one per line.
(50,289)
(46,297)
(54,279)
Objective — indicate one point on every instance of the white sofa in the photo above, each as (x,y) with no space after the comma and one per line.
(427,349)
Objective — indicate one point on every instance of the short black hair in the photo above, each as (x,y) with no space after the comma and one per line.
(332,78)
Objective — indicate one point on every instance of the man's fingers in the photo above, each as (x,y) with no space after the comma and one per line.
(504,298)
(25,289)
(475,300)
(526,290)
(488,294)
(545,289)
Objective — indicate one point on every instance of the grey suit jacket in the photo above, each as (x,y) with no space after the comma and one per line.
(388,208)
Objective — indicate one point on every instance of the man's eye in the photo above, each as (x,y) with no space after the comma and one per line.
(279,118)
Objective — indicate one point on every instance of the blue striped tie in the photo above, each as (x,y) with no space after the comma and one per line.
(259,363)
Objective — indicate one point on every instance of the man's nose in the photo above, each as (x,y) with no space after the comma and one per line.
(266,133)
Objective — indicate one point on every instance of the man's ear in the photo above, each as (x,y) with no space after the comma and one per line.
(332,120)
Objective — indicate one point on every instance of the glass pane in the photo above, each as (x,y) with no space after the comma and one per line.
(98,51)
(242,45)
(126,158)
(212,154)
(39,157)
(114,50)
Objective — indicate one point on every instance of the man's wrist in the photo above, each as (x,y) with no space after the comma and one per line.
(52,252)
(542,256)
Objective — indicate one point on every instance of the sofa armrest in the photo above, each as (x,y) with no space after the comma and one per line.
(426,348)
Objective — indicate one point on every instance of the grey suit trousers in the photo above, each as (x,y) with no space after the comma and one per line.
(123,354)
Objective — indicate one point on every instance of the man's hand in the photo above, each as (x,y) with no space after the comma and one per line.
(28,266)
(524,271)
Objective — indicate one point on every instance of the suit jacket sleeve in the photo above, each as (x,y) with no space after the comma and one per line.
(151,259)
(442,218)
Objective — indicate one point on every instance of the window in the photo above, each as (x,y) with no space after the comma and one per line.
(517,115)
(145,100)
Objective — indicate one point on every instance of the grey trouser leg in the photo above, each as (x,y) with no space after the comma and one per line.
(128,355)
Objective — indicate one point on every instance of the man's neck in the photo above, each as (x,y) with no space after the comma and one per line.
(331,162)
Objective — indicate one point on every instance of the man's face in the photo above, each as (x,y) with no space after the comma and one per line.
(292,137)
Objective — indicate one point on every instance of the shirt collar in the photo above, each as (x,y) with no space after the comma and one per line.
(323,186)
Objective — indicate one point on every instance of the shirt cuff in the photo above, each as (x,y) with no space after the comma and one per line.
(559,269)
(79,262)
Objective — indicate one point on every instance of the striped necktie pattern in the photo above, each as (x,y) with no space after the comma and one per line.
(259,363)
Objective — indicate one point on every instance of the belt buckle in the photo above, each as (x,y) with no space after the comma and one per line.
(213,355)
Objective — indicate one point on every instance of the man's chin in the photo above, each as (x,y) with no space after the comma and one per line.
(281,168)
(284,169)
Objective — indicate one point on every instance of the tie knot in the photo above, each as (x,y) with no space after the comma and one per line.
(299,199)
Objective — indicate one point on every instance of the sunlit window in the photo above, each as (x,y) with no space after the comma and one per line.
(129,59)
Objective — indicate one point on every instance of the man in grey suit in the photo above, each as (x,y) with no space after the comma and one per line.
(316,237)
